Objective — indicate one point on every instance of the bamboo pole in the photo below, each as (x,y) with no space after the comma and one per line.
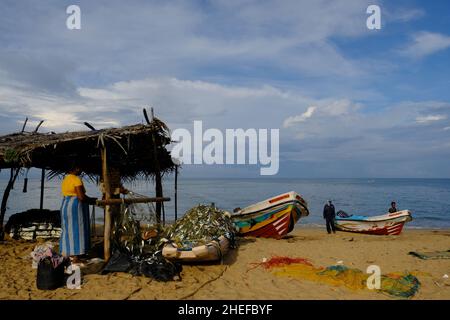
(108,209)
(41,202)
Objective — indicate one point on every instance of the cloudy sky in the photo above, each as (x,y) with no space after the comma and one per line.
(349,101)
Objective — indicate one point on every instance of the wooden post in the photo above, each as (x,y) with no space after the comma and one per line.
(9,186)
(158,184)
(119,201)
(41,203)
(108,209)
(24,124)
(93,227)
(176,192)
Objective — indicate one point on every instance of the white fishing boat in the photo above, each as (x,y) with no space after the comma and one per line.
(386,224)
(211,251)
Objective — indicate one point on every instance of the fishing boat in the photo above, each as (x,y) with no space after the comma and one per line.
(271,218)
(211,251)
(386,224)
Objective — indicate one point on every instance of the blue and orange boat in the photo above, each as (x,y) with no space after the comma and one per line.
(271,218)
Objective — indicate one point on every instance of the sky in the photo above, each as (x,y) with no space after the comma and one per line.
(348,101)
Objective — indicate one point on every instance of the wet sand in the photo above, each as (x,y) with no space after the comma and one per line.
(239,278)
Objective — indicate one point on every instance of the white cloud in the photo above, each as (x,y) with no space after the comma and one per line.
(426,43)
(291,121)
(175,100)
(179,38)
(325,108)
(339,107)
(430,118)
(403,14)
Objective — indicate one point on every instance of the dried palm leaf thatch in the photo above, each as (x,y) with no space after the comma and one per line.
(130,150)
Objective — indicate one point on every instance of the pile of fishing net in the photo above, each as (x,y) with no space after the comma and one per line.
(199,226)
(395,284)
(136,227)
(133,254)
(152,265)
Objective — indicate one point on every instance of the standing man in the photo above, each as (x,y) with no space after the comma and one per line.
(393,207)
(329,214)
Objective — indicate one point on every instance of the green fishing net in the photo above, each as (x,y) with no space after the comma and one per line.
(127,232)
(130,226)
(200,225)
(400,285)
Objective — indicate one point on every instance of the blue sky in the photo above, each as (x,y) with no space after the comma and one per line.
(349,102)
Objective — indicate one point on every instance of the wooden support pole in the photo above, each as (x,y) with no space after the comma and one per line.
(93,226)
(24,124)
(9,186)
(130,200)
(158,183)
(41,202)
(159,194)
(108,209)
(176,192)
(38,126)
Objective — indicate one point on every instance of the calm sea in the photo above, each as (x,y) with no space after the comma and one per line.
(428,199)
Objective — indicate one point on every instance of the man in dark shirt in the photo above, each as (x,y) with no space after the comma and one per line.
(393,207)
(329,214)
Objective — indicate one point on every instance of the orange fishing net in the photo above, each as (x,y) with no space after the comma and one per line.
(278,261)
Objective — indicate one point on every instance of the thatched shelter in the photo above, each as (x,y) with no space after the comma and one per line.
(132,151)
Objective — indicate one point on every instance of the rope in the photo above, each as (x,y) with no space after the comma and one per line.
(204,284)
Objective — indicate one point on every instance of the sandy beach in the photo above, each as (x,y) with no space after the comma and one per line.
(240,278)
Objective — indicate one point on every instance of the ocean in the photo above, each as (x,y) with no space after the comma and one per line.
(427,199)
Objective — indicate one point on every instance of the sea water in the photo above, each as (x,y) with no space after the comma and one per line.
(427,199)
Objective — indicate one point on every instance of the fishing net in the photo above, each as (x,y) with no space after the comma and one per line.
(127,232)
(145,213)
(134,254)
(199,226)
(400,285)
(278,261)
(394,284)
(133,225)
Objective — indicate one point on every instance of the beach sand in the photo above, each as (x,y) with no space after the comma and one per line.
(239,278)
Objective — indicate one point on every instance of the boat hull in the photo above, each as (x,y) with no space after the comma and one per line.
(273,218)
(388,224)
(213,251)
